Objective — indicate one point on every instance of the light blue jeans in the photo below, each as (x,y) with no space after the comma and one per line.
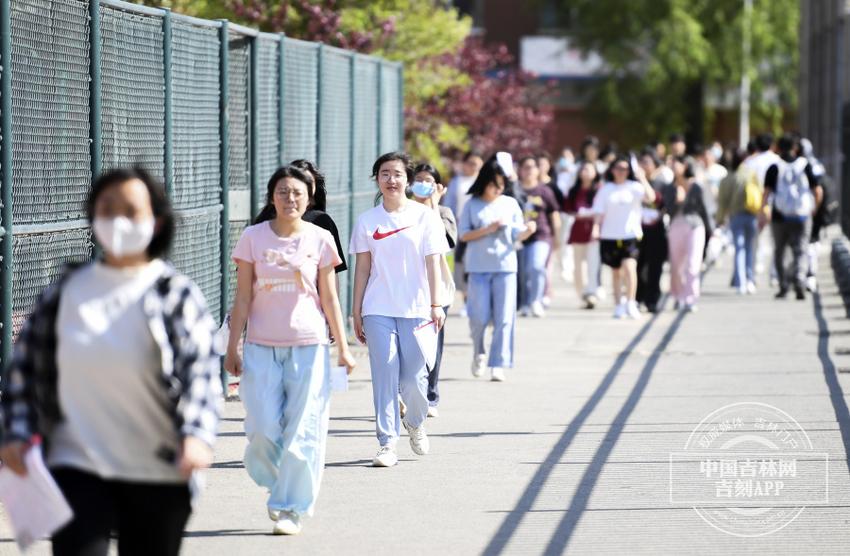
(533,258)
(491,297)
(286,393)
(398,367)
(745,231)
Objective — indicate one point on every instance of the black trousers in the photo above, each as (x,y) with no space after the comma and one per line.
(148,518)
(653,253)
(434,374)
(794,234)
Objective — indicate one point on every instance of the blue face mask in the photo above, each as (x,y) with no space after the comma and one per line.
(423,189)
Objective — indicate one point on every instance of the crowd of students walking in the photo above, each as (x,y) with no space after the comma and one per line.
(511,230)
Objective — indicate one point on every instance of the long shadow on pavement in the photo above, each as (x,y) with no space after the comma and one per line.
(578,504)
(836,393)
(512,521)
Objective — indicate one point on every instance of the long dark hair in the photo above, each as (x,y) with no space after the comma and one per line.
(594,183)
(428,169)
(689,165)
(160,205)
(487,175)
(609,173)
(320,195)
(269,212)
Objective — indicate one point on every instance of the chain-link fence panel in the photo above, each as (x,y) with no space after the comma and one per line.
(300,98)
(38,260)
(50,102)
(339,208)
(390,108)
(335,119)
(365,148)
(133,90)
(239,111)
(196,93)
(268,105)
(234,233)
(196,253)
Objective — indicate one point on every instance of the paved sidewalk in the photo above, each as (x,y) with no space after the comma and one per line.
(572,453)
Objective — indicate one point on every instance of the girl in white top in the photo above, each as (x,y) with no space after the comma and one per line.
(398,246)
(617,225)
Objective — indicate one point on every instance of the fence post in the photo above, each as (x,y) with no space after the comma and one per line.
(380,102)
(319,105)
(95,116)
(351,168)
(6,180)
(400,106)
(280,103)
(253,151)
(168,166)
(224,168)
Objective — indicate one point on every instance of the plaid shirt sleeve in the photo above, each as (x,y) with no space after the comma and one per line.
(24,376)
(196,363)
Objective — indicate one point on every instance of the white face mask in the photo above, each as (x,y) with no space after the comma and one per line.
(122,237)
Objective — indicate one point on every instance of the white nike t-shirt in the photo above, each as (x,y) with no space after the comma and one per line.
(399,242)
(620,207)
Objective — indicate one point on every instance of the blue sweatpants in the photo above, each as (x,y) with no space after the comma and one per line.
(491,297)
(398,366)
(286,393)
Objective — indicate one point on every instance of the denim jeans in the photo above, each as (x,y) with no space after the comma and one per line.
(533,258)
(744,227)
(492,298)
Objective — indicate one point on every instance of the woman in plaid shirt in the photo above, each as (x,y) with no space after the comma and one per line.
(116,372)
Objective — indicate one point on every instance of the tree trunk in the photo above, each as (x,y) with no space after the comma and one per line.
(694,114)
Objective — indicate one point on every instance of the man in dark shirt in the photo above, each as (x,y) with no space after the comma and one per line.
(791,228)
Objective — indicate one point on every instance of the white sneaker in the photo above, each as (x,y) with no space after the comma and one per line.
(289,523)
(418,439)
(497,374)
(537,309)
(386,457)
(274,515)
(751,287)
(546,301)
(402,408)
(464,312)
(691,308)
(632,310)
(478,363)
(523,311)
(433,411)
(620,311)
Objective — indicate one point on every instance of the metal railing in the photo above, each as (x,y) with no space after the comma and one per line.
(210,107)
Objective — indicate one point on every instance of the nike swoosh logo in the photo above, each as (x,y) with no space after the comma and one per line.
(378,235)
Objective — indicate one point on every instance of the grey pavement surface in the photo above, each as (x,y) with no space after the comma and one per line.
(572,453)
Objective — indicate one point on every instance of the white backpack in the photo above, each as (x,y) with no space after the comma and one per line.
(793,192)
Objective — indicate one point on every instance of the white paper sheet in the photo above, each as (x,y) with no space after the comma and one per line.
(426,337)
(339,379)
(34,503)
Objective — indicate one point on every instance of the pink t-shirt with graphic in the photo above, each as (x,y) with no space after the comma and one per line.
(285,310)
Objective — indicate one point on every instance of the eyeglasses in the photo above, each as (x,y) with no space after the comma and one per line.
(621,168)
(294,193)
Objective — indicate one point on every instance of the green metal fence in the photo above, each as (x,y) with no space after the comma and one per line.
(210,107)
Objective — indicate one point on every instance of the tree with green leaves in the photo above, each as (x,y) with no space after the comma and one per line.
(452,102)
(664,56)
